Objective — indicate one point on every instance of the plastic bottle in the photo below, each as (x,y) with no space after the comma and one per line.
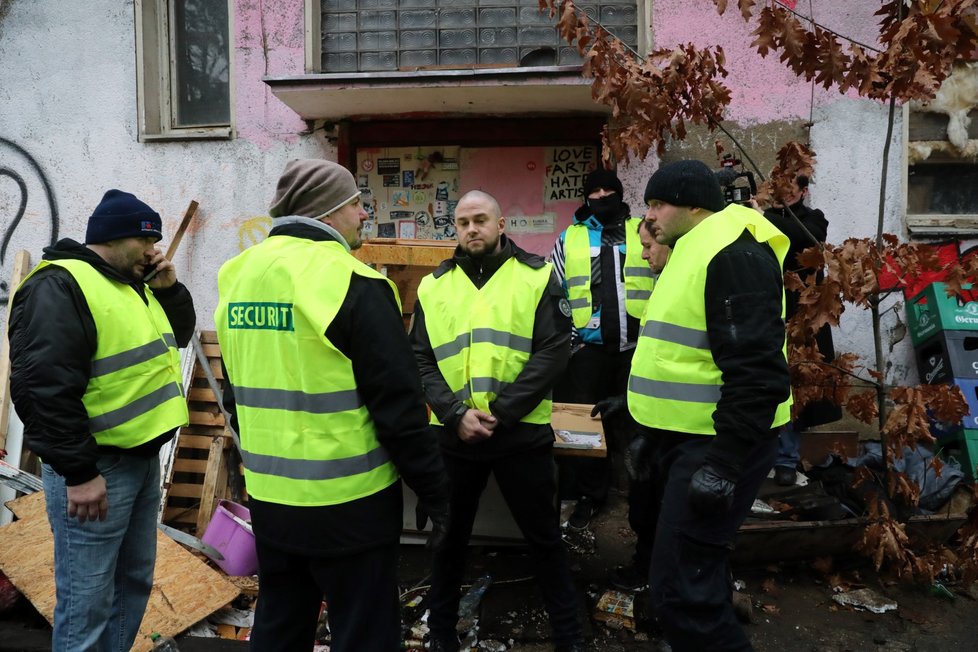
(163,643)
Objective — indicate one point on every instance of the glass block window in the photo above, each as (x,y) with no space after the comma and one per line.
(388,35)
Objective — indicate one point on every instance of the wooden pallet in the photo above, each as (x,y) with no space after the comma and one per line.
(198,477)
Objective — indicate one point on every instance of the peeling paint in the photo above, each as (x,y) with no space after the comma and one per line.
(268,41)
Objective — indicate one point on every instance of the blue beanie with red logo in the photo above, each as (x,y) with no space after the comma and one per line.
(120,215)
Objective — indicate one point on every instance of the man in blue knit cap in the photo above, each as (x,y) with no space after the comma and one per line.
(95,377)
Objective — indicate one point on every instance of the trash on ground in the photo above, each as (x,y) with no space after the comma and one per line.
(865,599)
(616,609)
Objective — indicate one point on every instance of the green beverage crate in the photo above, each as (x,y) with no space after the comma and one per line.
(931,311)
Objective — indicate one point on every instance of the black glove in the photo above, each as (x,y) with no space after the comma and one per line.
(638,459)
(710,493)
(610,406)
(439,523)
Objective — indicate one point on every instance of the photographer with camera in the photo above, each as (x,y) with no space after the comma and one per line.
(819,412)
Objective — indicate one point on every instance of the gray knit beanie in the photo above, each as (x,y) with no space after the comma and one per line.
(313,188)
(686,183)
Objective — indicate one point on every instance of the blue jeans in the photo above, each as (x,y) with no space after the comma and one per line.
(103,570)
(788,443)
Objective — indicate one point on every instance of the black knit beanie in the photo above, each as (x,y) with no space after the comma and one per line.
(686,183)
(120,215)
(602,179)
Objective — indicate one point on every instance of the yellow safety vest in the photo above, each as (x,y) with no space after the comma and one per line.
(482,338)
(306,436)
(135,390)
(577,272)
(674,382)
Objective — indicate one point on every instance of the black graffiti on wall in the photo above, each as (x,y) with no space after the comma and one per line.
(12,224)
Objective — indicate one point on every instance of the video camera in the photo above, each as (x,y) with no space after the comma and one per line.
(727,176)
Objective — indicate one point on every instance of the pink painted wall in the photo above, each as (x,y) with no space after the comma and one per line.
(268,41)
(763,89)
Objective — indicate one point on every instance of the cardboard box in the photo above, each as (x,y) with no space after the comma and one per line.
(575,418)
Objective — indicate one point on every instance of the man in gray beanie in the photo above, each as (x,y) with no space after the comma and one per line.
(327,398)
(710,415)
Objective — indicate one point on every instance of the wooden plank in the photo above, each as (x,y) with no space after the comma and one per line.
(428,254)
(215,366)
(207,419)
(184,465)
(215,483)
(202,394)
(184,490)
(208,337)
(22,267)
(202,431)
(193,441)
(185,589)
(211,350)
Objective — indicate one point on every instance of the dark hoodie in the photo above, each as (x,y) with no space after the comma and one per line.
(52,341)
(550,351)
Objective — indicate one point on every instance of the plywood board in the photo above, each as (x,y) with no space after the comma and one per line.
(185,589)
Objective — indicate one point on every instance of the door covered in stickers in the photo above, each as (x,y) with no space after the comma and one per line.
(411,192)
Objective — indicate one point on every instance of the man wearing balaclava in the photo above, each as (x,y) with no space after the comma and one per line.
(598,259)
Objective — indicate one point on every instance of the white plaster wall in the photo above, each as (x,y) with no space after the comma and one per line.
(848,136)
(68,96)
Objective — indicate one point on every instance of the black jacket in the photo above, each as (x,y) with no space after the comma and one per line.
(819,412)
(369,330)
(52,340)
(550,350)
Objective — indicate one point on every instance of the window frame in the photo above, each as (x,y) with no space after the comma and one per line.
(154,74)
(314,40)
(926,225)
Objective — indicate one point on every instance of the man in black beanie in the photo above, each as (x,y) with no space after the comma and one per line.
(709,387)
(598,260)
(325,392)
(95,377)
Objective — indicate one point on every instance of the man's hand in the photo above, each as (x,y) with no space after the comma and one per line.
(166,272)
(638,459)
(475,426)
(710,493)
(610,406)
(439,523)
(89,500)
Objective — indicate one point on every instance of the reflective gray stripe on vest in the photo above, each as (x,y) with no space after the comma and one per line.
(130,411)
(674,391)
(170,340)
(641,295)
(284,467)
(130,358)
(580,303)
(447,350)
(691,337)
(482,385)
(635,272)
(295,401)
(483,336)
(574,281)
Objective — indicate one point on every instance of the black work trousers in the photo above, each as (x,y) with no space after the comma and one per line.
(526,481)
(360,592)
(690,577)
(594,374)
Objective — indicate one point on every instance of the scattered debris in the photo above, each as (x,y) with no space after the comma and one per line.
(616,609)
(865,599)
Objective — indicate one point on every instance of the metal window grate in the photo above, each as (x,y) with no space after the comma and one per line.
(384,35)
